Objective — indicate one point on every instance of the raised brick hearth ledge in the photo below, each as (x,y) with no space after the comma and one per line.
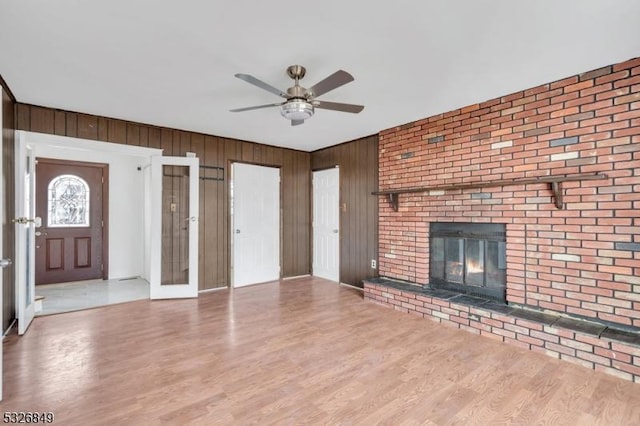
(596,346)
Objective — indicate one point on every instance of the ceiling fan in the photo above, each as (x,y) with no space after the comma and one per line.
(301,102)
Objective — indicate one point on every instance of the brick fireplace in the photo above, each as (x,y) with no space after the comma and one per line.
(581,260)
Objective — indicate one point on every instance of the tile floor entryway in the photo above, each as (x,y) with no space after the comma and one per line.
(74,296)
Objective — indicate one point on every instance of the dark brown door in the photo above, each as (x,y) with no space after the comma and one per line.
(71,200)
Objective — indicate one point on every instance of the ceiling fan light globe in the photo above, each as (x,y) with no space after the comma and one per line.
(296,110)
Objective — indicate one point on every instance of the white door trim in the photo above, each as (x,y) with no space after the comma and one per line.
(79,144)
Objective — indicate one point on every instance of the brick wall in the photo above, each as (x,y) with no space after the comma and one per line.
(583,260)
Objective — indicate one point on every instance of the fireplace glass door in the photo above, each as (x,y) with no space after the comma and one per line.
(468,258)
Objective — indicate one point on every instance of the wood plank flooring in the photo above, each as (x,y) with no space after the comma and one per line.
(304,351)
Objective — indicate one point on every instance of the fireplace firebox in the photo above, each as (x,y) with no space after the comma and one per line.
(468,258)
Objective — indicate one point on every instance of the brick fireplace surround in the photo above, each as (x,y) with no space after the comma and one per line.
(580,262)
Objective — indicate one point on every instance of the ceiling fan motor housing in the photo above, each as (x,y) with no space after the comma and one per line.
(297,92)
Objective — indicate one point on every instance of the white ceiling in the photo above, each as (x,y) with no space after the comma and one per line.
(172,63)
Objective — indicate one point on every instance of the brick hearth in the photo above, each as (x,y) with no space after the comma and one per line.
(592,345)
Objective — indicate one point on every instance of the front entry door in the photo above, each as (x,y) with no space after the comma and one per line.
(256,224)
(70,199)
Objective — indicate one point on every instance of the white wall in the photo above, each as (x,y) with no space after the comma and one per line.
(126,194)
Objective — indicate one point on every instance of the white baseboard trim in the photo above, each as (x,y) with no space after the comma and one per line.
(209,290)
(295,277)
(6,333)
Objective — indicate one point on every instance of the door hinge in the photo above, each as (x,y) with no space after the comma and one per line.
(102,267)
(102,179)
(102,223)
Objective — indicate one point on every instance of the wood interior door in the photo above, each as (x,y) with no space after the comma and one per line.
(71,200)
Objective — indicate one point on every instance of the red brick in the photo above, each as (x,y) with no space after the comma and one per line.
(615,93)
(635,370)
(595,341)
(612,77)
(530,340)
(504,333)
(560,348)
(544,336)
(581,346)
(564,82)
(613,355)
(633,97)
(491,322)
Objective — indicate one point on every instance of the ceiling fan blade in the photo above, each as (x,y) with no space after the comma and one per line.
(337,106)
(335,80)
(297,122)
(255,107)
(261,84)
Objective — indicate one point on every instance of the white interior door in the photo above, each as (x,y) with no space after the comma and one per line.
(25,228)
(326,224)
(255,209)
(174,227)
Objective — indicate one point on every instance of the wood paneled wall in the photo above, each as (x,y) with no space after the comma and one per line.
(214,194)
(8,229)
(358,162)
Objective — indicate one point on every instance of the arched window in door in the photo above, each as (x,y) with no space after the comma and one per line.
(68,202)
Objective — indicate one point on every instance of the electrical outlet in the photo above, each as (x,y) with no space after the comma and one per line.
(374,264)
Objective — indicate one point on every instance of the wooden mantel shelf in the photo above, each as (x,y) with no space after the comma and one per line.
(555,184)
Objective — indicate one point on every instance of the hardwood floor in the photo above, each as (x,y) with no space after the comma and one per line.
(304,351)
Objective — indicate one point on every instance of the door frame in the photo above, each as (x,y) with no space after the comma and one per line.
(230,217)
(336,167)
(105,202)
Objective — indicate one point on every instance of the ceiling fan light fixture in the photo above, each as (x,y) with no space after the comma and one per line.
(297,109)
(301,102)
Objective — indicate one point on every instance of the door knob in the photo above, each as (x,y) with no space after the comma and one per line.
(237,231)
(335,231)
(4,263)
